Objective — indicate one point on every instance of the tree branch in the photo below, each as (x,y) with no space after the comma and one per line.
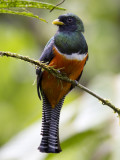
(57,74)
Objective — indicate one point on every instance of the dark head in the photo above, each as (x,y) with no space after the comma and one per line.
(69,22)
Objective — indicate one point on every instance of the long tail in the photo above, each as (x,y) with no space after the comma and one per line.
(50,127)
(53,141)
(46,116)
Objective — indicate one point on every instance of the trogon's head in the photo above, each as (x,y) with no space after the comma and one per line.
(69,22)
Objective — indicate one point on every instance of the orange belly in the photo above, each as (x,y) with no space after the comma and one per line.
(54,88)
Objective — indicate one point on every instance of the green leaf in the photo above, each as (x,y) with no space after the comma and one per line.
(28,14)
(27,4)
(80,146)
(8,6)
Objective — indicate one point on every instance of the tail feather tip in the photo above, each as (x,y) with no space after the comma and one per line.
(44,150)
(54,150)
(49,150)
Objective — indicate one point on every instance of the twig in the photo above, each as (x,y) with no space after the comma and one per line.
(57,74)
(57,5)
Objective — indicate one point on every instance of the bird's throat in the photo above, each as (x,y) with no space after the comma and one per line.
(68,42)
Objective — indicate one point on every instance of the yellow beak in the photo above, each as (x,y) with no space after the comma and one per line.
(57,22)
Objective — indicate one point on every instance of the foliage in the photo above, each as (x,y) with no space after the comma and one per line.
(8,6)
(27,13)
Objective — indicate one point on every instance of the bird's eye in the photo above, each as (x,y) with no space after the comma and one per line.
(69,20)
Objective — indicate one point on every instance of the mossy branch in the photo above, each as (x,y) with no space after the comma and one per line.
(57,74)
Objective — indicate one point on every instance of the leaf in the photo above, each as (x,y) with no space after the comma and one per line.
(27,4)
(28,14)
(80,146)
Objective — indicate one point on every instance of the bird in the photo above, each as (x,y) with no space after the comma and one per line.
(66,51)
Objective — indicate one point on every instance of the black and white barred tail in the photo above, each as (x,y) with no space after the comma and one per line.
(50,127)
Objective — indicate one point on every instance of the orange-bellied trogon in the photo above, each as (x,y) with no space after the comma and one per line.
(67,50)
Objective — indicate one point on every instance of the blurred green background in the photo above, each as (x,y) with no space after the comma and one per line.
(88,131)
